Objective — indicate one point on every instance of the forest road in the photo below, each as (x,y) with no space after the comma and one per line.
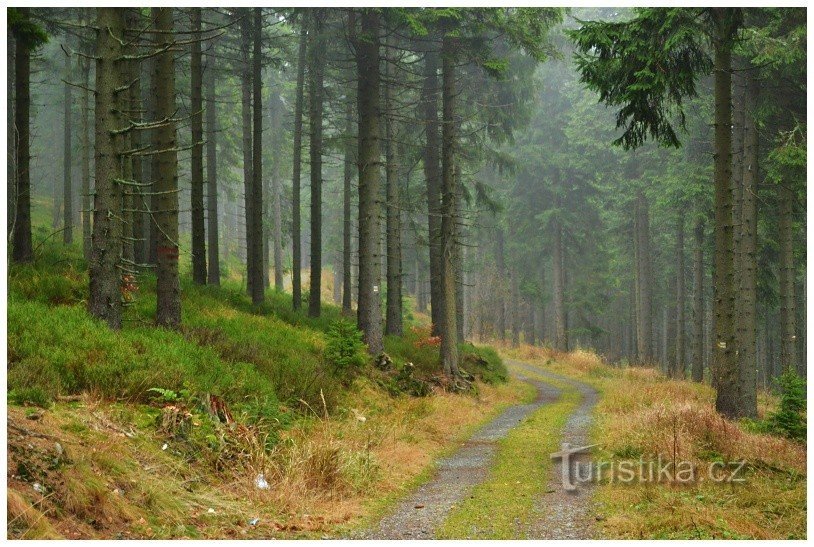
(420,514)
(561,513)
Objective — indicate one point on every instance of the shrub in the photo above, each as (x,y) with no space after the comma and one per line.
(789,418)
(344,349)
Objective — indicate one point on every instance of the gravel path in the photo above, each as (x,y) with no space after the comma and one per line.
(563,514)
(420,514)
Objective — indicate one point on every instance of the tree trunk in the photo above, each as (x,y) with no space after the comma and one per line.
(213,275)
(724,359)
(644,294)
(680,365)
(67,161)
(296,242)
(347,251)
(515,300)
(429,101)
(276,192)
(788,318)
(747,266)
(246,115)
(256,226)
(369,298)
(560,317)
(22,250)
(105,299)
(152,114)
(393,324)
(86,152)
(11,141)
(698,302)
(139,208)
(197,172)
(449,196)
(316,76)
(500,263)
(168,288)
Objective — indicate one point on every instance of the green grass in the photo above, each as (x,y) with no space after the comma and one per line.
(503,505)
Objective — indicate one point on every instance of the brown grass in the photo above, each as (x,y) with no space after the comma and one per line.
(642,413)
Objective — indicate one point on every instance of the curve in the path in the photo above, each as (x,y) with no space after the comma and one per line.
(420,514)
(560,513)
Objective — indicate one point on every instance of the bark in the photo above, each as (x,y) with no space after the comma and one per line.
(22,250)
(296,243)
(393,324)
(197,170)
(316,76)
(152,114)
(213,274)
(449,196)
(256,226)
(139,214)
(105,301)
(724,364)
(276,194)
(747,264)
(369,298)
(11,141)
(515,305)
(644,292)
(698,302)
(558,268)
(67,161)
(246,115)
(347,251)
(168,288)
(788,318)
(429,102)
(500,262)
(86,152)
(680,365)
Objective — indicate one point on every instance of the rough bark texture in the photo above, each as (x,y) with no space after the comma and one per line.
(643,278)
(86,152)
(105,299)
(168,288)
(11,140)
(197,170)
(246,117)
(22,250)
(369,295)
(139,215)
(347,274)
(698,302)
(67,160)
(316,76)
(558,269)
(724,366)
(296,243)
(276,191)
(747,266)
(429,101)
(393,324)
(256,226)
(213,273)
(788,318)
(679,362)
(449,196)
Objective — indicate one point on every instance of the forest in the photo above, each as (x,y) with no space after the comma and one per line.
(278,270)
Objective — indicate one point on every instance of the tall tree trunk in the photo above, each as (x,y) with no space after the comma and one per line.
(724,359)
(131,75)
(747,295)
(246,114)
(500,263)
(644,294)
(197,172)
(86,152)
(369,298)
(105,300)
(449,197)
(296,242)
(515,300)
(316,75)
(347,277)
(213,275)
(67,161)
(139,215)
(560,317)
(393,325)
(11,141)
(276,193)
(698,302)
(168,287)
(22,250)
(152,114)
(256,226)
(788,318)
(680,365)
(429,101)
